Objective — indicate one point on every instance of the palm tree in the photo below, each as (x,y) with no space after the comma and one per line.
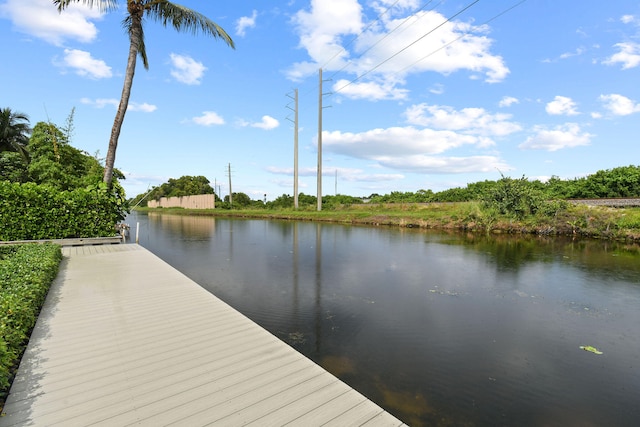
(180,17)
(14,132)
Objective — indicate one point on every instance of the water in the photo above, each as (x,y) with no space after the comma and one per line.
(439,329)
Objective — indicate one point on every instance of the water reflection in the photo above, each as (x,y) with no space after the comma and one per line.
(440,329)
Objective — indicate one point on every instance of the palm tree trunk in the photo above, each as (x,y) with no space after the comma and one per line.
(135,37)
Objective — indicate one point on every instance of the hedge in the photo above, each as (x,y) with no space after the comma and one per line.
(26,273)
(30,212)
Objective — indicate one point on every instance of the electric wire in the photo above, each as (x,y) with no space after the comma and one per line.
(460,37)
(404,21)
(408,46)
(379,17)
(344,49)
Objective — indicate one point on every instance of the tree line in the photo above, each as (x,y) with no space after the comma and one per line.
(507,194)
(618,182)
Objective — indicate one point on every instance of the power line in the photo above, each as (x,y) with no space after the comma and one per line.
(379,17)
(408,46)
(404,21)
(344,48)
(460,37)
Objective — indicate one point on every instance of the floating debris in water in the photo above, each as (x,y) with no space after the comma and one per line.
(590,349)
(296,338)
(439,292)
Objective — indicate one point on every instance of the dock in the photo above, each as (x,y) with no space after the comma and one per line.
(125,339)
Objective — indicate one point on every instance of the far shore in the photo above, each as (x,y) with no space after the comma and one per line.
(581,219)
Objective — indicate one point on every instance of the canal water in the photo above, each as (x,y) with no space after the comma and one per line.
(438,329)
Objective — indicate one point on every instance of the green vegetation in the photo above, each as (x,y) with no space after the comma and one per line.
(507,205)
(572,219)
(26,272)
(14,131)
(184,186)
(30,212)
(48,188)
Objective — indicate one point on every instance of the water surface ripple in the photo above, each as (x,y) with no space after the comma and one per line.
(439,329)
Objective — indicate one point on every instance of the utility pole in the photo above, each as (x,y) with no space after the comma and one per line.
(230,191)
(320,95)
(319,178)
(336,181)
(295,149)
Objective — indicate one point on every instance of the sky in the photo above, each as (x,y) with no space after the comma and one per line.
(416,94)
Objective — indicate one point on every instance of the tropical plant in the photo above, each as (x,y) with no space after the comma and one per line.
(166,12)
(56,163)
(14,132)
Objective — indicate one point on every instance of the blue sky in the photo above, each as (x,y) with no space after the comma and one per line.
(418,94)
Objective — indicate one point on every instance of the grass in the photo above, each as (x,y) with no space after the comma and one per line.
(577,220)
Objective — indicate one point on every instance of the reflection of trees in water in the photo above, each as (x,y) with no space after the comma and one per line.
(512,253)
(329,291)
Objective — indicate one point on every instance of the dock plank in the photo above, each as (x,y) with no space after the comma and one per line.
(125,339)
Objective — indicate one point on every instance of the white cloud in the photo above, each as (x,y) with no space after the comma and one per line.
(628,19)
(561,105)
(144,107)
(112,102)
(394,141)
(568,135)
(84,65)
(444,165)
(410,149)
(101,102)
(619,105)
(508,101)
(472,121)
(267,123)
(186,69)
(579,51)
(370,90)
(344,174)
(246,22)
(437,89)
(40,18)
(208,118)
(421,150)
(385,56)
(628,55)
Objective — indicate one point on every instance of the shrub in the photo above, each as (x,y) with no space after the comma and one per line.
(30,212)
(26,273)
(514,197)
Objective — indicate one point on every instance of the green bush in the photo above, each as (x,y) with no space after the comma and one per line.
(514,197)
(29,212)
(26,272)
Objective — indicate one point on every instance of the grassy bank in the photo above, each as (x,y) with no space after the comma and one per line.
(26,272)
(577,220)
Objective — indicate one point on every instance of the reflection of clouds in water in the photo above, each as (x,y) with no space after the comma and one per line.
(423,323)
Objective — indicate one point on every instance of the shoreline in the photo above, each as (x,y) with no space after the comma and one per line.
(580,220)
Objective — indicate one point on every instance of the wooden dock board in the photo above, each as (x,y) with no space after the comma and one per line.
(125,339)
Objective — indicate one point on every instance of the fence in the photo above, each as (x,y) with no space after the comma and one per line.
(201,201)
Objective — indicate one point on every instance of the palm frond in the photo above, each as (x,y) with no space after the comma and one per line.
(184,19)
(102,5)
(127,24)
